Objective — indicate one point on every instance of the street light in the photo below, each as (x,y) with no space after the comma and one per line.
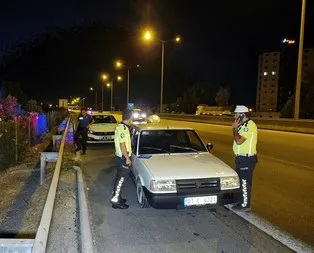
(300,58)
(92,89)
(106,77)
(119,64)
(128,77)
(148,36)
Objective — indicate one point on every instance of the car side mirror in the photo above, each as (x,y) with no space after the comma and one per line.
(209,146)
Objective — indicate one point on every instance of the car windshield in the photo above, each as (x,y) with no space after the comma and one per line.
(101,119)
(170,141)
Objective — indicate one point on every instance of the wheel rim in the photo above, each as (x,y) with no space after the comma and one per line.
(139,193)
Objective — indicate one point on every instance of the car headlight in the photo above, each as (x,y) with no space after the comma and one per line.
(163,186)
(227,183)
(143,115)
(135,115)
(90,131)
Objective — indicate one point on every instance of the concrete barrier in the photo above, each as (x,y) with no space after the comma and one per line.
(290,125)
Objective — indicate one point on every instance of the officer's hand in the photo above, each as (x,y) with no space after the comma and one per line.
(236,123)
(128,161)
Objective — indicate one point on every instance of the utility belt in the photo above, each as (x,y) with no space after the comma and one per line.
(246,155)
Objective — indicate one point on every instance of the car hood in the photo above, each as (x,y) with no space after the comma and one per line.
(187,166)
(103,127)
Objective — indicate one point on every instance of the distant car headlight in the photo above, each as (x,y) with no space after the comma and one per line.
(227,183)
(163,186)
(143,115)
(135,115)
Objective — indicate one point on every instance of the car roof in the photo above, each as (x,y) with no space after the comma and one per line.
(159,126)
(100,114)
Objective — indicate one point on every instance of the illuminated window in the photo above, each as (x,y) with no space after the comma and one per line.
(273,73)
(265,73)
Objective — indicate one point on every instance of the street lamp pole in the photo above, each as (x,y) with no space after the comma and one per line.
(111,100)
(95,100)
(300,59)
(102,97)
(162,73)
(128,88)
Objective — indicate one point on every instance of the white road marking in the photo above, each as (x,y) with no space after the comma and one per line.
(284,237)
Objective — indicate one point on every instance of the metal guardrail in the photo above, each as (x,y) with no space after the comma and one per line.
(290,125)
(39,244)
(41,238)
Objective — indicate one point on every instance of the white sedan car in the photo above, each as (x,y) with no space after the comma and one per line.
(102,131)
(172,168)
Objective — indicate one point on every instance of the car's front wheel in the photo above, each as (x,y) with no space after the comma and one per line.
(141,198)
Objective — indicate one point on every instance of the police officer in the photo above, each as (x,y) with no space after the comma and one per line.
(244,148)
(84,122)
(123,151)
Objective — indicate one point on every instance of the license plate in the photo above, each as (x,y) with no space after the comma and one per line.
(200,201)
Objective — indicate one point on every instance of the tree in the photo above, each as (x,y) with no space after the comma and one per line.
(9,107)
(222,96)
(306,99)
(190,99)
(32,106)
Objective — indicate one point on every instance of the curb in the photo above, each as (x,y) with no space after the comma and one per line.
(85,229)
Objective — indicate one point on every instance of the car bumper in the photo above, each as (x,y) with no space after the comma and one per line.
(139,121)
(91,138)
(176,201)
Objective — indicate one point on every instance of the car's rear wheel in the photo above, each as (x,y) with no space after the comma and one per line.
(141,198)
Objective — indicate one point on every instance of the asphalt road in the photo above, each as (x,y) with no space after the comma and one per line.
(283,182)
(153,230)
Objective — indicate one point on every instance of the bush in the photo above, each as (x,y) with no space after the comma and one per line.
(28,131)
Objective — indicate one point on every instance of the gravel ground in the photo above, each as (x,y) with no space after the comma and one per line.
(64,237)
(23,201)
(23,198)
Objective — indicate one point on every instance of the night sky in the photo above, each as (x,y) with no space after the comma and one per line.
(65,45)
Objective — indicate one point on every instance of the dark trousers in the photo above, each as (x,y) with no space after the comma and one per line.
(80,138)
(123,171)
(245,166)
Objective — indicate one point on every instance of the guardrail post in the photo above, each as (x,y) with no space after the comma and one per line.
(44,158)
(55,138)
(42,169)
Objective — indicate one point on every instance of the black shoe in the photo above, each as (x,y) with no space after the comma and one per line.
(119,205)
(77,150)
(123,201)
(84,152)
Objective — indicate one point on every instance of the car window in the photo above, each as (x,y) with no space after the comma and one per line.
(169,141)
(194,140)
(134,141)
(103,119)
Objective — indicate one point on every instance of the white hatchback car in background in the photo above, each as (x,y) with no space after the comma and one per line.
(172,168)
(102,131)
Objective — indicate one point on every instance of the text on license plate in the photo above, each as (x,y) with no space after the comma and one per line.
(106,138)
(199,201)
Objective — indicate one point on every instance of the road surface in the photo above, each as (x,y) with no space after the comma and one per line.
(152,230)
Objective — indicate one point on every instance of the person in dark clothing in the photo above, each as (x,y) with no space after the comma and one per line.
(80,137)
